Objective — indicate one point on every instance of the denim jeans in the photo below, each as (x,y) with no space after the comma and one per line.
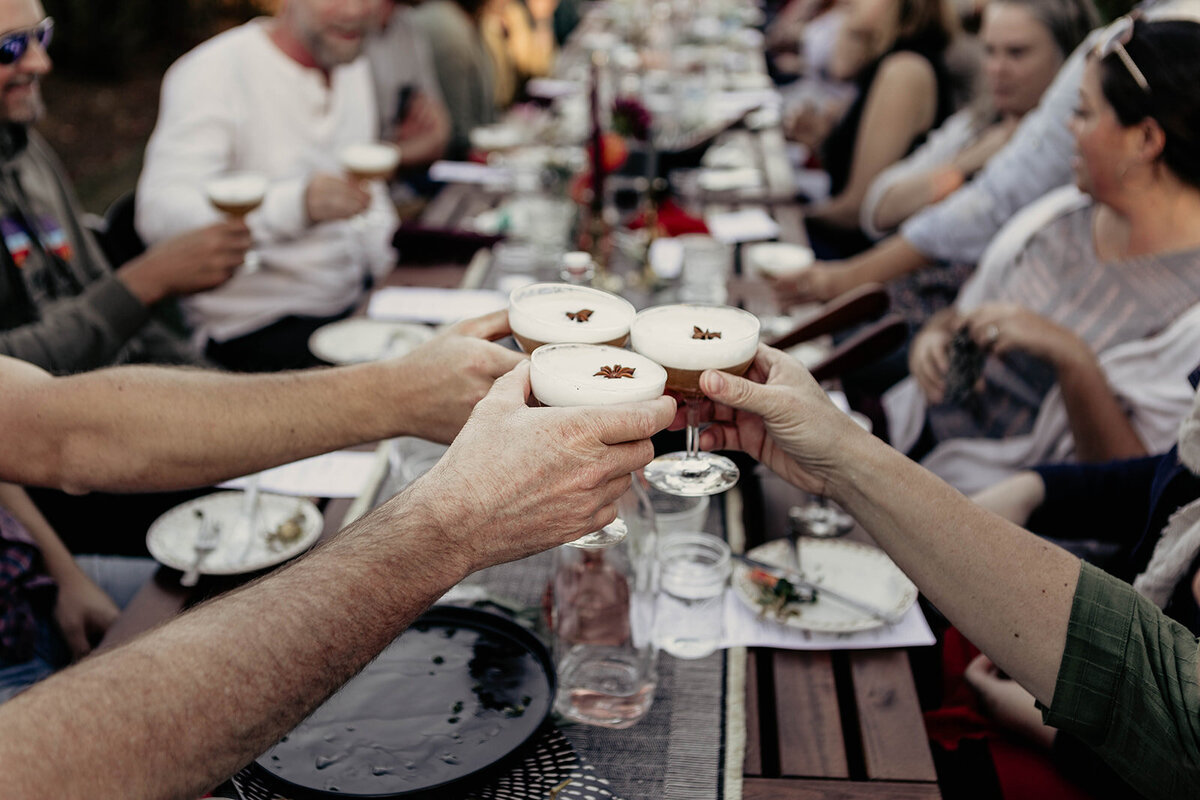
(120,578)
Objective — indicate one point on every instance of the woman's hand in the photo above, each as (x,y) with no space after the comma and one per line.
(780,416)
(1002,327)
(83,613)
(1007,702)
(820,283)
(929,360)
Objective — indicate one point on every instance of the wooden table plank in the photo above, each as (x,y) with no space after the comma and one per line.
(442,211)
(763,789)
(811,742)
(753,762)
(894,741)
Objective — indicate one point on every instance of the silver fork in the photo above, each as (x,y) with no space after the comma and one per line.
(206,541)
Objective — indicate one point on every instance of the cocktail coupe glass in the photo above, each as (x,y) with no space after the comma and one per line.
(366,162)
(558,313)
(236,194)
(687,339)
(594,375)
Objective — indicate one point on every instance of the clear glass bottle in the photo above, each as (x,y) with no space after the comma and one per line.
(602,606)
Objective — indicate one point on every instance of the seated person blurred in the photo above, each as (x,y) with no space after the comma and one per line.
(1086,313)
(281,97)
(519,37)
(53,607)
(465,70)
(893,52)
(409,100)
(959,229)
(1024,44)
(62,307)
(799,38)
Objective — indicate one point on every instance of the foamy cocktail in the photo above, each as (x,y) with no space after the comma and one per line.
(556,313)
(594,375)
(236,194)
(370,161)
(687,339)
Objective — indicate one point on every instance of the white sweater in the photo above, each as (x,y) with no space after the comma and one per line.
(237,102)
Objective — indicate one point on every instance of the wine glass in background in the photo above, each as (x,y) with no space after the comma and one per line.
(366,162)
(687,339)
(817,518)
(236,194)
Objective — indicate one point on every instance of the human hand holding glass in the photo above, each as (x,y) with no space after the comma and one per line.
(593,375)
(687,339)
(236,194)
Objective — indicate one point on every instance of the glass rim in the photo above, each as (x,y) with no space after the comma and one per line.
(646,312)
(715,545)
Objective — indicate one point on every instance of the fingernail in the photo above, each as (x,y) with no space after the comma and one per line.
(716,383)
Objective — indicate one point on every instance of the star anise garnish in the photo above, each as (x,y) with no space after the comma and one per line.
(615,371)
(581,315)
(698,333)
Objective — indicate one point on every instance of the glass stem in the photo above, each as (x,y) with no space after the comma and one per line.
(693,432)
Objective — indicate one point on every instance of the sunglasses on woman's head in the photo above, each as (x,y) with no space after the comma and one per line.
(13,46)
(1115,37)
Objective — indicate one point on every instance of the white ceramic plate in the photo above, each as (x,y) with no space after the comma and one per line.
(359,339)
(172,537)
(855,569)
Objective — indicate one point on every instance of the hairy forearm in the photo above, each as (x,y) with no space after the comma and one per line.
(1099,425)
(149,428)
(1007,590)
(224,682)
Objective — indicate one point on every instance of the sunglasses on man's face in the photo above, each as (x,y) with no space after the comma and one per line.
(13,46)
(1116,36)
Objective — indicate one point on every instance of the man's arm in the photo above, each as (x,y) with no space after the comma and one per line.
(175,712)
(143,428)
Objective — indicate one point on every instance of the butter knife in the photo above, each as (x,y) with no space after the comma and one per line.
(796,580)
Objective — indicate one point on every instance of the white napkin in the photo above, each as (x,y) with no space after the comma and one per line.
(747,225)
(435,306)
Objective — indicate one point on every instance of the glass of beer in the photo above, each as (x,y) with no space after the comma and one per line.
(594,375)
(236,194)
(555,313)
(687,339)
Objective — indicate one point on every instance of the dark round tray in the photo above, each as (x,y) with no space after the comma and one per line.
(452,701)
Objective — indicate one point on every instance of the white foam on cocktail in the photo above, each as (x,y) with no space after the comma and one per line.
(370,157)
(565,375)
(237,189)
(539,312)
(665,334)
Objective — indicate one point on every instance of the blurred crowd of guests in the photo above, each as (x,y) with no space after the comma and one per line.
(1024,182)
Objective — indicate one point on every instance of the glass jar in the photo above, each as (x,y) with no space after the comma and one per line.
(601,614)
